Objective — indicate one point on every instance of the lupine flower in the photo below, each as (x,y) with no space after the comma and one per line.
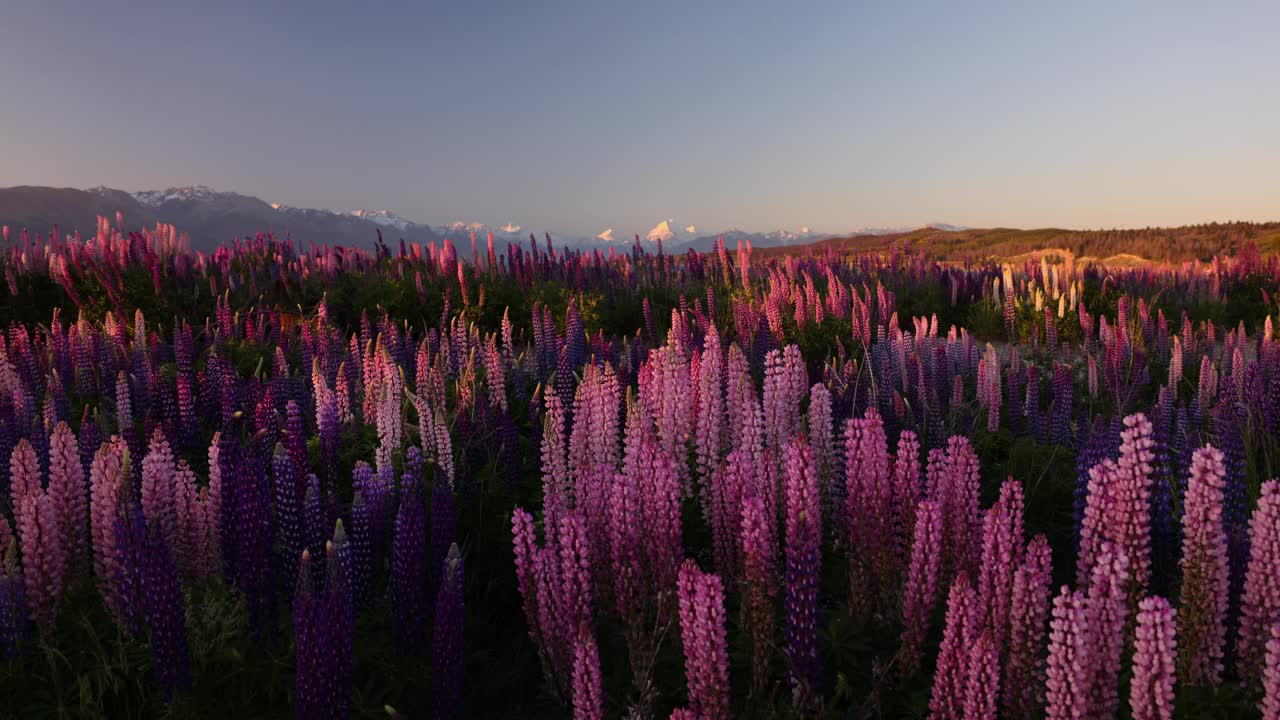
(157,486)
(70,497)
(1271,677)
(447,640)
(443,530)
(287,511)
(1028,616)
(1260,605)
(588,697)
(803,564)
(951,675)
(165,615)
(24,478)
(996,571)
(1069,682)
(409,572)
(982,684)
(1202,622)
(872,546)
(127,600)
(760,587)
(1108,613)
(1155,647)
(1119,506)
(13,603)
(921,591)
(702,632)
(43,557)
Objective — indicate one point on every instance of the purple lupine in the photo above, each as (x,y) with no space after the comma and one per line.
(1118,508)
(1260,604)
(409,572)
(129,533)
(1155,647)
(315,527)
(588,696)
(447,640)
(43,557)
(1028,615)
(759,553)
(702,633)
(165,615)
(872,544)
(803,565)
(13,603)
(921,591)
(996,570)
(287,512)
(1108,614)
(1202,621)
(361,546)
(946,700)
(24,478)
(311,686)
(1069,679)
(443,530)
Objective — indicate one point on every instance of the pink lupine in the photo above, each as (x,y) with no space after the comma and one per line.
(907,489)
(982,683)
(158,471)
(709,422)
(69,494)
(1028,618)
(1202,621)
(1119,508)
(213,504)
(527,561)
(188,533)
(1260,603)
(821,438)
(702,632)
(1155,647)
(1108,615)
(921,591)
(803,565)
(668,398)
(557,491)
(722,494)
(6,535)
(1271,677)
(573,596)
(952,480)
(24,478)
(950,678)
(43,558)
(106,483)
(1069,681)
(869,510)
(995,573)
(588,697)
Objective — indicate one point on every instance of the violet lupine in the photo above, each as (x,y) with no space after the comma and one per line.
(1270,705)
(702,632)
(409,571)
(166,616)
(287,511)
(950,677)
(129,534)
(443,531)
(760,587)
(1260,603)
(1028,618)
(921,591)
(70,496)
(188,543)
(319,692)
(1155,647)
(588,695)
(1202,621)
(24,478)
(1069,677)
(803,565)
(447,640)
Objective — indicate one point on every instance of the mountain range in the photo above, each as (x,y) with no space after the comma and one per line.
(211,218)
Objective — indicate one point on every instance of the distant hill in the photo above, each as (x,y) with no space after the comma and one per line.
(1172,244)
(208,217)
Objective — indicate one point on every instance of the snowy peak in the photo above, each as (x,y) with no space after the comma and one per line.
(385,218)
(190,193)
(661,232)
(606,236)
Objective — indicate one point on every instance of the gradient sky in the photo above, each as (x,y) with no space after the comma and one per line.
(574,116)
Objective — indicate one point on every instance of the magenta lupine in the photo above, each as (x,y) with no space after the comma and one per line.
(70,497)
(921,591)
(557,491)
(760,587)
(709,431)
(1069,674)
(803,565)
(43,557)
(950,677)
(106,477)
(588,695)
(995,573)
(529,573)
(1202,620)
(189,538)
(1260,603)
(1271,677)
(982,683)
(907,490)
(821,439)
(1118,509)
(1028,620)
(1154,648)
(702,632)
(1108,614)
(573,597)
(952,480)
(157,486)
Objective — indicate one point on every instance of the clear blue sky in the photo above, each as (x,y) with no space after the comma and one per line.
(577,116)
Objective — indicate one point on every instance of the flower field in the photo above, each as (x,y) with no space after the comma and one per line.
(525,481)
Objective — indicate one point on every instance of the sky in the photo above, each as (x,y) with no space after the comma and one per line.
(577,116)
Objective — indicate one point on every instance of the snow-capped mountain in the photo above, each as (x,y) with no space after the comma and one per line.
(190,193)
(461,230)
(385,218)
(606,236)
